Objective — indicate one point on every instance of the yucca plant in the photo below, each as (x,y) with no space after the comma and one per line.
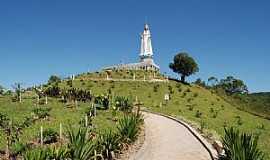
(240,146)
(108,143)
(61,153)
(80,146)
(36,154)
(129,127)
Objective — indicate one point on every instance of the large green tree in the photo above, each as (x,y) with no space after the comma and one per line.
(184,65)
(232,85)
(54,79)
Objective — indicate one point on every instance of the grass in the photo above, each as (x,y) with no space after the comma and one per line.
(182,97)
(189,102)
(58,114)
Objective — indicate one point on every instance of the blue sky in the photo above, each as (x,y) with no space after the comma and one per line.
(43,37)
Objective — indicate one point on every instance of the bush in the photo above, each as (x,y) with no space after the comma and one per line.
(198,114)
(108,142)
(240,146)
(41,112)
(129,127)
(79,145)
(123,103)
(102,102)
(49,136)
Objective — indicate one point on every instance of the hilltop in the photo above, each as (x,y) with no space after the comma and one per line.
(197,105)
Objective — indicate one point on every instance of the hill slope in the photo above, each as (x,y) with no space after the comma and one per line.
(191,102)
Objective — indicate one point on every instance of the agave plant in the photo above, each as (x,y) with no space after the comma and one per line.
(129,126)
(36,154)
(80,147)
(108,143)
(240,146)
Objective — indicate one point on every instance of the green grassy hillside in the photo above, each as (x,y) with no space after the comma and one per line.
(191,102)
(255,103)
(59,113)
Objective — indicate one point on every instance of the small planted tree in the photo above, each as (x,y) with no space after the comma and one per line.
(240,146)
(184,65)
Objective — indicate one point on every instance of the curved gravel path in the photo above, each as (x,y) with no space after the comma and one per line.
(166,139)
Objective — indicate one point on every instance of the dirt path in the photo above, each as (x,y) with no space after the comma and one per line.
(166,139)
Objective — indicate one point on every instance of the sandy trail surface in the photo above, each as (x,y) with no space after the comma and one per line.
(166,139)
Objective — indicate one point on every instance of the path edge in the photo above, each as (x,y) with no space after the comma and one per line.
(190,129)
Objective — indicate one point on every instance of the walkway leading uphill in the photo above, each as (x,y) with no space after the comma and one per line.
(166,139)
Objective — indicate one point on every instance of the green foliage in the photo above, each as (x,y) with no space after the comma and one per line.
(198,114)
(108,142)
(102,102)
(123,103)
(54,79)
(41,112)
(49,136)
(184,65)
(18,148)
(36,154)
(240,146)
(129,126)
(232,85)
(80,146)
(2,90)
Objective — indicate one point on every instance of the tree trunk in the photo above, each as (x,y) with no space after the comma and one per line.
(183,78)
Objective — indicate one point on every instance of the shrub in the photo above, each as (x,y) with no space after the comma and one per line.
(79,145)
(155,88)
(198,114)
(240,146)
(108,142)
(196,94)
(190,107)
(239,120)
(41,112)
(128,127)
(49,136)
(102,102)
(123,103)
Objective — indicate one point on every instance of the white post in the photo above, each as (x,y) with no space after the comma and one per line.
(20,96)
(37,99)
(86,120)
(41,135)
(134,77)
(46,99)
(60,131)
(107,77)
(95,111)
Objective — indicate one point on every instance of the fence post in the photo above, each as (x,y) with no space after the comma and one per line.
(86,120)
(46,99)
(60,131)
(41,135)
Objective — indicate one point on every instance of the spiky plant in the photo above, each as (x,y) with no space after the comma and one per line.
(80,146)
(36,154)
(108,142)
(240,146)
(129,127)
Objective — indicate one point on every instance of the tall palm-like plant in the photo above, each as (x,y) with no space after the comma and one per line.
(240,146)
(81,148)
(129,127)
(108,143)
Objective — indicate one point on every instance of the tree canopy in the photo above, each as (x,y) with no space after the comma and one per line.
(54,79)
(232,85)
(184,65)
